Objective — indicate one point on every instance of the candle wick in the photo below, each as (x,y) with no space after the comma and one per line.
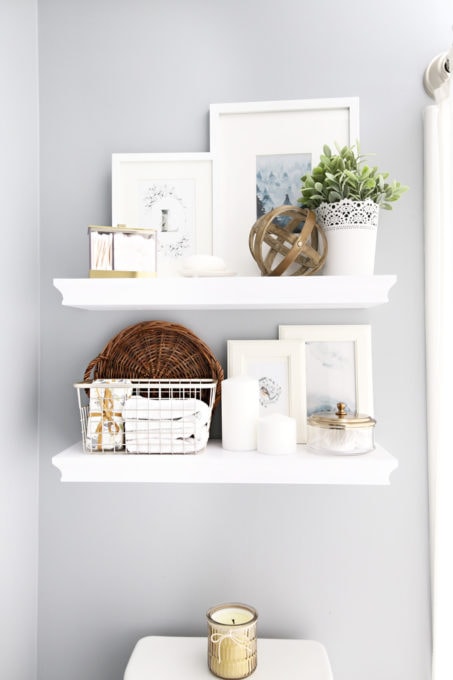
(233,621)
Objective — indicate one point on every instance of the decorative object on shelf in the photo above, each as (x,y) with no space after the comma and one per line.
(122,252)
(277,434)
(291,236)
(262,149)
(168,192)
(240,412)
(146,416)
(102,419)
(278,366)
(341,432)
(336,363)
(346,195)
(204,265)
(351,230)
(156,350)
(232,644)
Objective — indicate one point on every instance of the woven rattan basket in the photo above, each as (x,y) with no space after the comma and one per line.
(156,350)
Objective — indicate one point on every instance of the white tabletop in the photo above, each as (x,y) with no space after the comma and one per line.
(173,658)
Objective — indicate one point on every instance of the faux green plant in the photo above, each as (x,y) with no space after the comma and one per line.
(346,175)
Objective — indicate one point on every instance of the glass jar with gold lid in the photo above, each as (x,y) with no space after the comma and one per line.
(340,432)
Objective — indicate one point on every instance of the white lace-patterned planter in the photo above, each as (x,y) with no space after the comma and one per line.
(351,229)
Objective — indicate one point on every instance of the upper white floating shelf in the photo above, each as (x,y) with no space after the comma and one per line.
(236,292)
(218,466)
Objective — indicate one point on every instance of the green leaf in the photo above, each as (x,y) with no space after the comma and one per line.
(345,174)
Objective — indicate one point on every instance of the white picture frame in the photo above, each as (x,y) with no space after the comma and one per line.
(169,192)
(337,366)
(242,133)
(278,366)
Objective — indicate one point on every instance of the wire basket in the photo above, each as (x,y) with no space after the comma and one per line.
(145,416)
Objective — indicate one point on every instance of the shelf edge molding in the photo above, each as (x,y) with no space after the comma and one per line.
(217,466)
(236,292)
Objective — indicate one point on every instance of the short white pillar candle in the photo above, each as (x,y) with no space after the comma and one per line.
(240,412)
(276,434)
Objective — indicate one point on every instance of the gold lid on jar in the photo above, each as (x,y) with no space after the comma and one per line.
(340,419)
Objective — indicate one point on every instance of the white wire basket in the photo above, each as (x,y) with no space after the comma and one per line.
(145,416)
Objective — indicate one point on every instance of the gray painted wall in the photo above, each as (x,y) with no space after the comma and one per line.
(346,566)
(19,338)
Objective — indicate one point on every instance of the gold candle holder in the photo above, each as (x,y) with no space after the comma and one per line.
(232,640)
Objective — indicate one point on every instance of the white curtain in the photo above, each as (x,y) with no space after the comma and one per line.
(438,122)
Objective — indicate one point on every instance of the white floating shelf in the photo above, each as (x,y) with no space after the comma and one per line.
(173,658)
(236,292)
(217,466)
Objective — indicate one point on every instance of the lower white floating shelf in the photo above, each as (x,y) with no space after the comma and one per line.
(215,465)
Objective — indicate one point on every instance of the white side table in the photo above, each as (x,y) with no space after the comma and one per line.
(173,658)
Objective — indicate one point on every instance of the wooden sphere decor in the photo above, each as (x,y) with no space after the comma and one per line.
(295,240)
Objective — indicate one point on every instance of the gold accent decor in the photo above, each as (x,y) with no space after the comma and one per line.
(341,419)
(295,240)
(118,274)
(123,228)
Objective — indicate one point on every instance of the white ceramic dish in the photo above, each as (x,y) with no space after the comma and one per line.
(206,272)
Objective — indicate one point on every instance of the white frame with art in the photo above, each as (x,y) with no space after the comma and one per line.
(339,359)
(169,192)
(282,134)
(283,364)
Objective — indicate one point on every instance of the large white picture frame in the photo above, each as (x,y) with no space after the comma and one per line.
(279,134)
(279,367)
(337,366)
(169,192)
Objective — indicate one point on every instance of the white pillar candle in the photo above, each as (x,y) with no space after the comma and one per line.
(276,434)
(240,412)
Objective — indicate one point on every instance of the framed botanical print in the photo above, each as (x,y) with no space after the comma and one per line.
(168,192)
(278,367)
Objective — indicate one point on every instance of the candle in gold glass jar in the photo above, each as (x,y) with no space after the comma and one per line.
(232,640)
